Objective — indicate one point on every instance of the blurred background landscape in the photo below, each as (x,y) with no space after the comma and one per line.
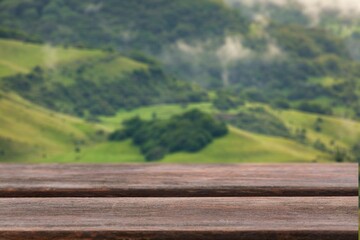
(186,81)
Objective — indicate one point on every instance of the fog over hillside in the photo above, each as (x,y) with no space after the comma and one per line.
(311,8)
(345,6)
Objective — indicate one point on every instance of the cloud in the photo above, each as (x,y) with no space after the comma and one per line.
(190,49)
(232,50)
(254,2)
(93,8)
(261,20)
(196,56)
(312,8)
(346,8)
(273,51)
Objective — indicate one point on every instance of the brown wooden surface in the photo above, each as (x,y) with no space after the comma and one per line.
(252,218)
(159,180)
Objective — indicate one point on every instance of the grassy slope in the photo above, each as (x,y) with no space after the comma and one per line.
(242,146)
(344,132)
(107,68)
(115,67)
(20,57)
(105,152)
(30,133)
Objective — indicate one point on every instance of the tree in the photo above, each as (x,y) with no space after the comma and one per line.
(318,124)
(356,151)
(340,155)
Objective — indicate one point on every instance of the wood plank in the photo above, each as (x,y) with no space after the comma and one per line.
(180,218)
(161,180)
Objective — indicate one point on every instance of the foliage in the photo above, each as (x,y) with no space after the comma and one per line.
(189,132)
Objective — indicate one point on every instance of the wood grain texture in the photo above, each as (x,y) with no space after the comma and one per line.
(159,180)
(255,218)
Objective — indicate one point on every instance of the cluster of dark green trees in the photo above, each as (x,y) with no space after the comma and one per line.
(189,132)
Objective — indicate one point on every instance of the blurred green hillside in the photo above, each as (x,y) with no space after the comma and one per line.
(71,72)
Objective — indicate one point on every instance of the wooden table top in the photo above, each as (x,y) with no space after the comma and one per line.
(159,180)
(159,201)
